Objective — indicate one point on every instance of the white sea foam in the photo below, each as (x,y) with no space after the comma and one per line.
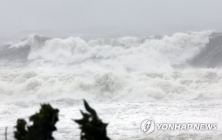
(128,52)
(129,79)
(202,84)
(131,53)
(128,68)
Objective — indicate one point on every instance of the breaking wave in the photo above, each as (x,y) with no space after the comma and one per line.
(180,66)
(129,52)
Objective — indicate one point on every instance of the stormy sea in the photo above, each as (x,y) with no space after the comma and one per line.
(170,79)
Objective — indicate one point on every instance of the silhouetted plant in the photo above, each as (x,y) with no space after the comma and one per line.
(92,128)
(20,133)
(43,125)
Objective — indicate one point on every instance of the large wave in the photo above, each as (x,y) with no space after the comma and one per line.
(200,49)
(174,78)
(128,68)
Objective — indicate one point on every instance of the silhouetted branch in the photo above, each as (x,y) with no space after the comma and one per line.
(92,128)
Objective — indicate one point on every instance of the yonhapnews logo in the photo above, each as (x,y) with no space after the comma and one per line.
(148,126)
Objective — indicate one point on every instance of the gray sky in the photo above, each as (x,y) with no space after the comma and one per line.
(106,18)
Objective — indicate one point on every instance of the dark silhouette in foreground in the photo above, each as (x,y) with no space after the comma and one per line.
(42,127)
(92,128)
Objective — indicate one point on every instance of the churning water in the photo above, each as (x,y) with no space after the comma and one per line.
(173,78)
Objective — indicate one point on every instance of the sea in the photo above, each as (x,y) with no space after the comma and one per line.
(169,79)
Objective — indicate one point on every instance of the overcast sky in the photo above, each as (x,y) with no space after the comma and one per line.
(107,18)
